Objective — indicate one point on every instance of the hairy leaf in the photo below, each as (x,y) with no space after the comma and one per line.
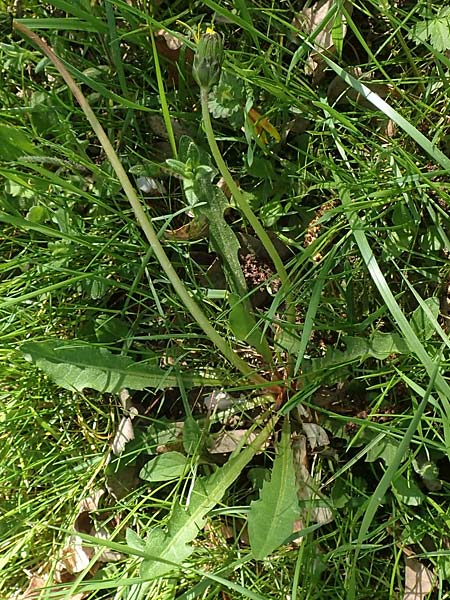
(271,518)
(209,202)
(164,467)
(175,544)
(225,243)
(379,345)
(75,365)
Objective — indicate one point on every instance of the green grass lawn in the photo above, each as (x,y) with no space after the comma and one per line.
(224,306)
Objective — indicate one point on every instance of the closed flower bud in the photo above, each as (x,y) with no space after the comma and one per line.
(208,59)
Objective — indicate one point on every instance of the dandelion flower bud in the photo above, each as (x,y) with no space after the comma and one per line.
(208,59)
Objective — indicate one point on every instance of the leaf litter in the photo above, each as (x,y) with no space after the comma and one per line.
(419,580)
(416,586)
(75,556)
(309,21)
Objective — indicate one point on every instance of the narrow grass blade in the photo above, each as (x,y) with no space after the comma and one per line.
(389,474)
(312,308)
(391,113)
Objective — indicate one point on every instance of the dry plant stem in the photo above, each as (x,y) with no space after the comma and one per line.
(245,208)
(141,217)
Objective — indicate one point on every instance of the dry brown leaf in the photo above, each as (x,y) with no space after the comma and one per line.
(150,186)
(296,126)
(419,580)
(316,435)
(196,229)
(169,47)
(223,186)
(263,125)
(299,525)
(218,400)
(107,555)
(306,485)
(227,441)
(38,583)
(124,433)
(308,21)
(76,557)
(172,42)
(390,128)
(88,504)
(228,532)
(158,127)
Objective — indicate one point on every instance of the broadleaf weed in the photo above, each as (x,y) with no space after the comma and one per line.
(314,285)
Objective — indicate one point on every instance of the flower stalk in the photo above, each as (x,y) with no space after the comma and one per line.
(145,223)
(206,72)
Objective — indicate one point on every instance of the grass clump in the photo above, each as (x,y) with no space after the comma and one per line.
(183,356)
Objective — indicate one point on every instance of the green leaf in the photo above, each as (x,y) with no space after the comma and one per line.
(271,518)
(160,433)
(225,243)
(186,521)
(340,494)
(110,329)
(257,476)
(421,323)
(379,345)
(429,471)
(159,545)
(209,202)
(37,214)
(134,541)
(407,491)
(195,158)
(192,436)
(75,365)
(14,143)
(243,326)
(386,450)
(164,467)
(338,31)
(178,167)
(227,97)
(435,29)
